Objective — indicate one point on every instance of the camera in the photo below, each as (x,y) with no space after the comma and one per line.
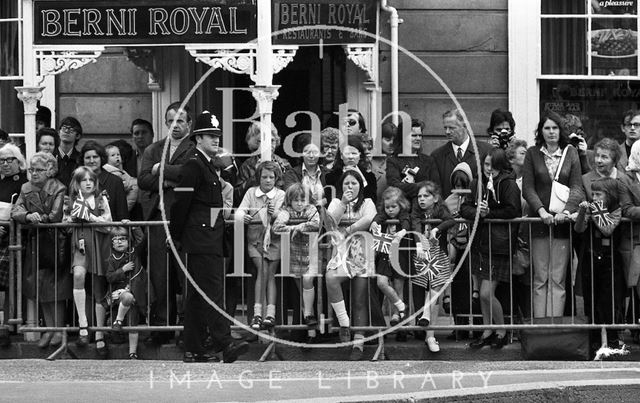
(412,172)
(503,137)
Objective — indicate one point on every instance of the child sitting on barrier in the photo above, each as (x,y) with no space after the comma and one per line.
(600,260)
(394,206)
(302,262)
(263,201)
(428,205)
(127,278)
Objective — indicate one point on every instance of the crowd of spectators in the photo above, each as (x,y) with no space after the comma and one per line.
(343,192)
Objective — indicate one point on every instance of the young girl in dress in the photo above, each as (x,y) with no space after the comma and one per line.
(88,205)
(394,206)
(263,202)
(297,206)
(494,244)
(428,205)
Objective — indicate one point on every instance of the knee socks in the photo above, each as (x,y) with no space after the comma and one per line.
(80,297)
(341,313)
(308,296)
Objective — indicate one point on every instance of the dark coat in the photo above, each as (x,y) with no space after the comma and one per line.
(66,166)
(445,161)
(536,185)
(172,171)
(116,193)
(191,212)
(507,206)
(395,166)
(53,278)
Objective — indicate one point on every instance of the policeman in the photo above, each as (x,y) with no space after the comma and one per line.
(199,233)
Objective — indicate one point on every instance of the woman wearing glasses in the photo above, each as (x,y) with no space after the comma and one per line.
(46,278)
(12,176)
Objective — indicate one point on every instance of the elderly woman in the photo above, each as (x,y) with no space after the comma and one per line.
(550,256)
(12,176)
(46,276)
(247,173)
(329,147)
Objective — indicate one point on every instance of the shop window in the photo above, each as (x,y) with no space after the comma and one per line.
(11,113)
(600,104)
(589,38)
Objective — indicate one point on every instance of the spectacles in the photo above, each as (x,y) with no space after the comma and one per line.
(352,122)
(68,129)
(634,125)
(7,160)
(119,238)
(36,170)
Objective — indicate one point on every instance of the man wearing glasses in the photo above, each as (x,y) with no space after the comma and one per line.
(631,129)
(67,154)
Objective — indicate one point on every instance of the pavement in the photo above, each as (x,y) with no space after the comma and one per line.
(384,381)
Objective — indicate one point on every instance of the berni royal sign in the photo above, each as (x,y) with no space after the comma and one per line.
(143,21)
(162,22)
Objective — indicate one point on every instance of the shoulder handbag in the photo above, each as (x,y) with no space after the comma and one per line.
(559,192)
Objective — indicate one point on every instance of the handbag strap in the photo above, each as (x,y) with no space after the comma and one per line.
(564,154)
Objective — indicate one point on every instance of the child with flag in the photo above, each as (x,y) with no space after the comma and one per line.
(600,260)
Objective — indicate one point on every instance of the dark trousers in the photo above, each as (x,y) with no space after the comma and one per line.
(604,289)
(208,273)
(165,278)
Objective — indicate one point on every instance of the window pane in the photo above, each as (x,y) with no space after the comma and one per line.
(9,49)
(9,8)
(12,111)
(564,46)
(614,46)
(563,7)
(599,104)
(614,7)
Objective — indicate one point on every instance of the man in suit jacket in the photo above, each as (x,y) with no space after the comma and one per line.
(631,128)
(200,234)
(179,151)
(458,149)
(67,155)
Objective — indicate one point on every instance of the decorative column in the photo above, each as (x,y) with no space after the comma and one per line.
(30,97)
(264,96)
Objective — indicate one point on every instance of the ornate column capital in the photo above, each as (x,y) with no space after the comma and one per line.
(145,60)
(362,56)
(264,96)
(30,97)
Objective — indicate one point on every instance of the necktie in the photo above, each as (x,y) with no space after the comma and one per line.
(459,154)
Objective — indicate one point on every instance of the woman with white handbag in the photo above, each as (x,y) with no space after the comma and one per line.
(551,172)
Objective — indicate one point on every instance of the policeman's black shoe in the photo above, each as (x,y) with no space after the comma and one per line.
(189,357)
(234,350)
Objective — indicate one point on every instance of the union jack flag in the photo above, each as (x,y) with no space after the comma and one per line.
(433,265)
(601,214)
(382,242)
(79,209)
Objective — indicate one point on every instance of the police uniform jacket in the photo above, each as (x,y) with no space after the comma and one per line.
(191,214)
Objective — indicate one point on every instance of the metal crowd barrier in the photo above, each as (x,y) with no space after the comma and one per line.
(291,318)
